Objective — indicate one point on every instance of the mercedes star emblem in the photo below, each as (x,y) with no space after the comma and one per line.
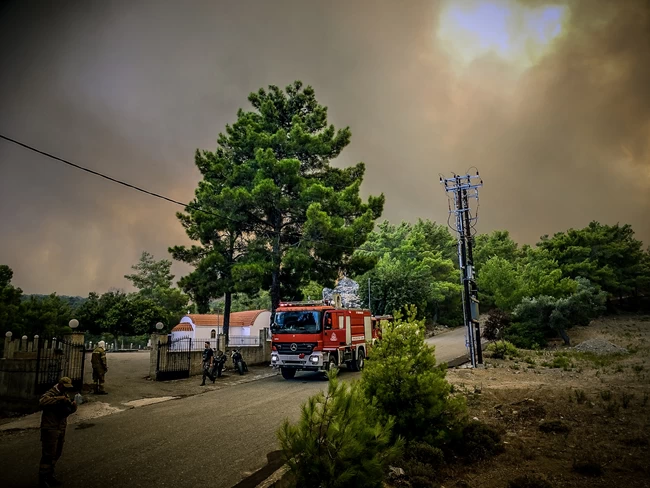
(294,347)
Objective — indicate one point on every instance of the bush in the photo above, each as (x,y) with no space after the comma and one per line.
(416,469)
(478,441)
(336,441)
(496,324)
(542,317)
(406,384)
(529,481)
(426,454)
(525,335)
(503,350)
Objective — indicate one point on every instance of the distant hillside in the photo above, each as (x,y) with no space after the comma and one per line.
(74,302)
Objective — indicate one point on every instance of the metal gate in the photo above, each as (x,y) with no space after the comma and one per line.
(174,359)
(56,358)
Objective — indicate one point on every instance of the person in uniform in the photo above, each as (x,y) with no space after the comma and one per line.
(208,363)
(57,406)
(100,368)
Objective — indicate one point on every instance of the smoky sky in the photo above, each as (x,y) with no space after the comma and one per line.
(133,88)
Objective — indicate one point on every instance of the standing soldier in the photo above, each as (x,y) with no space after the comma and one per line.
(99,367)
(208,363)
(56,407)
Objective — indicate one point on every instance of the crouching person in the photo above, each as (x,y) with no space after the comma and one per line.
(57,406)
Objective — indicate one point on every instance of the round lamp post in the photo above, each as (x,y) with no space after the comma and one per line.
(159,326)
(74,323)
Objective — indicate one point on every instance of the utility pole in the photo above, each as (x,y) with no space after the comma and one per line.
(369,307)
(460,189)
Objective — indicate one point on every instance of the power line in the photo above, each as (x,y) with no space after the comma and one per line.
(189,205)
(97,173)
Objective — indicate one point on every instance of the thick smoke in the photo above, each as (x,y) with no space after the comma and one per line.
(133,89)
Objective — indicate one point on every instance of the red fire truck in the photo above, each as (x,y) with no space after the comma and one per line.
(310,336)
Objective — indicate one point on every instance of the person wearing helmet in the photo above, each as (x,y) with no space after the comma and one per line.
(100,367)
(57,406)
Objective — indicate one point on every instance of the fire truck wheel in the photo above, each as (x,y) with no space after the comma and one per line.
(288,373)
(357,364)
(332,364)
(361,359)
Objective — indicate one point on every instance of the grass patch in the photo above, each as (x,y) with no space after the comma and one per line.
(562,362)
(581,396)
(606,395)
(626,398)
(612,408)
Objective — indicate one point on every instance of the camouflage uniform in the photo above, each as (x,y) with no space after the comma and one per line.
(56,405)
(99,368)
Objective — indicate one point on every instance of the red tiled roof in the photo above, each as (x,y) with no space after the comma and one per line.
(237,319)
(182,327)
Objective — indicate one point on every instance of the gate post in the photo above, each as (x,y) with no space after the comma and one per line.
(153,355)
(6,351)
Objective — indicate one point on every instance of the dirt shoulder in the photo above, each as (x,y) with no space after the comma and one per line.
(595,411)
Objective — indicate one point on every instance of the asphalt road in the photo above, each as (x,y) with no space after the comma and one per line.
(214,439)
(449,345)
(217,438)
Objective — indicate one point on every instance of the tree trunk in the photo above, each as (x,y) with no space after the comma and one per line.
(226,315)
(565,337)
(275,273)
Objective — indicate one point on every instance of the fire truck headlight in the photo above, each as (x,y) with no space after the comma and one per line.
(274,358)
(314,359)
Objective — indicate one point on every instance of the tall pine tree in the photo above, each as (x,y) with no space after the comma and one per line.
(269,185)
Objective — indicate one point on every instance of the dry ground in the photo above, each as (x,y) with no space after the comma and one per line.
(600,404)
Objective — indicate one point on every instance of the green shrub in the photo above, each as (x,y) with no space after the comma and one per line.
(406,385)
(525,335)
(478,441)
(337,440)
(562,362)
(539,318)
(415,469)
(424,453)
(503,350)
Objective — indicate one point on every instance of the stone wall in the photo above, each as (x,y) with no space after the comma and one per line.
(257,355)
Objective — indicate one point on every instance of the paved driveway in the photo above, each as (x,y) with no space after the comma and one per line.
(450,345)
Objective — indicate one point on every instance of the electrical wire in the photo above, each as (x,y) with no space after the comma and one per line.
(194,207)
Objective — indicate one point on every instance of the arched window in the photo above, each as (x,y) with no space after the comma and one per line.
(213,334)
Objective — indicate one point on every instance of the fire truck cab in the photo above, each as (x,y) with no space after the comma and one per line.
(310,336)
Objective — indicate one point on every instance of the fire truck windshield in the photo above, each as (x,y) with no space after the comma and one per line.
(302,322)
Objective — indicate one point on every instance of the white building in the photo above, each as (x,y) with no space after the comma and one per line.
(245,327)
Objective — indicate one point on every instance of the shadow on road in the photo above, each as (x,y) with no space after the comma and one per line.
(275,461)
